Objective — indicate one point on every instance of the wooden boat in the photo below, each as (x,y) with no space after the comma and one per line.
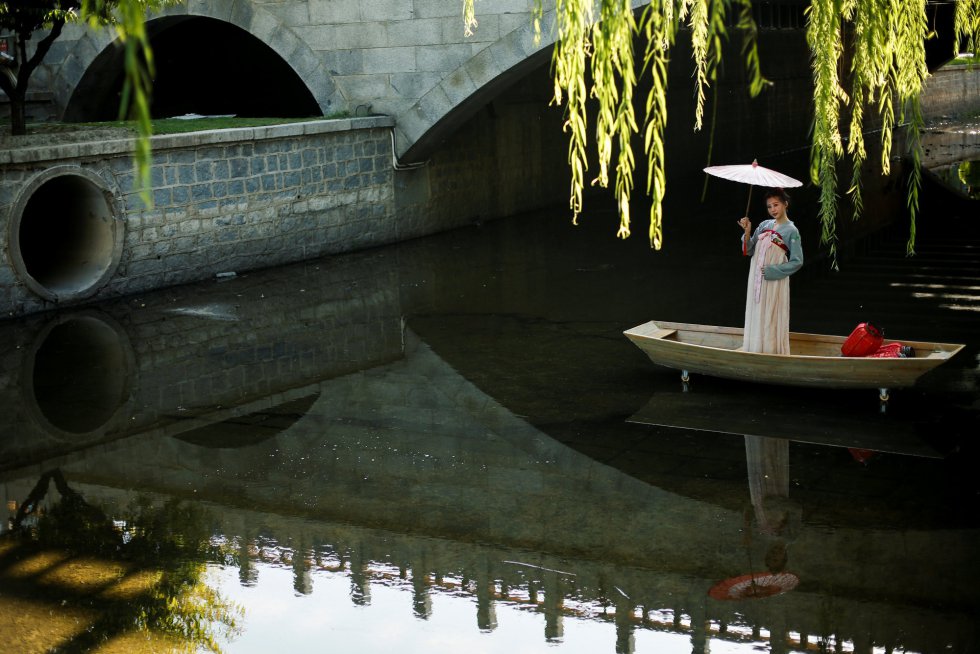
(815,359)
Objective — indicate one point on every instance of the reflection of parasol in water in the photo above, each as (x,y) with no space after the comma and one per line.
(754,586)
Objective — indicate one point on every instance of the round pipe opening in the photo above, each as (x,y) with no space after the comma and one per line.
(66,235)
(79,374)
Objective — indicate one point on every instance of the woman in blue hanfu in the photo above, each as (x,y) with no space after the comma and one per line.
(777,253)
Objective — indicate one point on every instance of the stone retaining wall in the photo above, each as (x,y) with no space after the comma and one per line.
(223,201)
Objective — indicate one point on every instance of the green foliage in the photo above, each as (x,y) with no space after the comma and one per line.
(967,27)
(128,17)
(886,38)
(170,539)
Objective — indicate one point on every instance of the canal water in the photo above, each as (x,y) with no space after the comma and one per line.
(448,445)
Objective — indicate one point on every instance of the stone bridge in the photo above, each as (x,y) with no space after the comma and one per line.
(427,130)
(408,59)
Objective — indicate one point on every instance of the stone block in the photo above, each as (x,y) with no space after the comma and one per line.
(263,26)
(389,60)
(412,86)
(507,23)
(441,9)
(204,170)
(325,12)
(192,226)
(241,13)
(349,36)
(200,192)
(238,167)
(221,169)
(162,197)
(458,86)
(482,68)
(185,243)
(507,53)
(387,10)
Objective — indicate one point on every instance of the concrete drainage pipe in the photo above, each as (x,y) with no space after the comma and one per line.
(66,233)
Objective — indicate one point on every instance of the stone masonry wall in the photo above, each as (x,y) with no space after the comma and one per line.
(227,200)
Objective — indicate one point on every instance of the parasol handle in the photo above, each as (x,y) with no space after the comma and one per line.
(749,202)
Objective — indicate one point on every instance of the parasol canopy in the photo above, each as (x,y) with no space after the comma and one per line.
(754,175)
(754,586)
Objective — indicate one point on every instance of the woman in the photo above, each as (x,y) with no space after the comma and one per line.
(777,253)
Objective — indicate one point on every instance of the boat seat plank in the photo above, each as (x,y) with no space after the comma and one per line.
(663,333)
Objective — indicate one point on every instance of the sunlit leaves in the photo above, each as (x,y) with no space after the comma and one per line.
(613,81)
(885,39)
(888,70)
(594,42)
(575,18)
(469,17)
(128,17)
(967,27)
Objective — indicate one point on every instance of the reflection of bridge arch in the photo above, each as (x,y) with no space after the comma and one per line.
(408,464)
(90,70)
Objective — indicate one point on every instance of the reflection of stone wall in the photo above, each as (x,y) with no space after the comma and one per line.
(414,448)
(952,91)
(247,346)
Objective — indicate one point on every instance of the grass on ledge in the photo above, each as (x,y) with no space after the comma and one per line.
(178,125)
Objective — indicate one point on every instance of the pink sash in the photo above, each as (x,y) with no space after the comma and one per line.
(768,237)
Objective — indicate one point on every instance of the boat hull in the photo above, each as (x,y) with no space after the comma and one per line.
(815,359)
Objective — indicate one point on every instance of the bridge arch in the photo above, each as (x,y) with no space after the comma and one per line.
(76,88)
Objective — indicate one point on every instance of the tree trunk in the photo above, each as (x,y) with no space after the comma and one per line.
(18,112)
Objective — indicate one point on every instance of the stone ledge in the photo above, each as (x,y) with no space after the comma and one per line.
(36,154)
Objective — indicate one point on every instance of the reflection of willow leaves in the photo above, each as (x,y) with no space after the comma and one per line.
(887,72)
(171,540)
(969,173)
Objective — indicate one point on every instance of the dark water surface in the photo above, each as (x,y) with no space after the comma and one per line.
(448,445)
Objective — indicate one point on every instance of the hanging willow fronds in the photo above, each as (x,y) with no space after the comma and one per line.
(826,45)
(887,72)
(129,19)
(469,17)
(967,27)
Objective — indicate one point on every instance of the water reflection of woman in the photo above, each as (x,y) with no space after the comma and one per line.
(776,517)
(777,253)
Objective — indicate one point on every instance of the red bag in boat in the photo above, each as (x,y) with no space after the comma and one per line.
(864,340)
(891,351)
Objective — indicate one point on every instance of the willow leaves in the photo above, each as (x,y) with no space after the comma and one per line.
(884,38)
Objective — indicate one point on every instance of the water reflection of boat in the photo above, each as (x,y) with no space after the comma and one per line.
(818,421)
(815,362)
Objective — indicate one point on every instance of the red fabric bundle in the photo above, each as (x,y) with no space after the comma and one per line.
(890,351)
(864,340)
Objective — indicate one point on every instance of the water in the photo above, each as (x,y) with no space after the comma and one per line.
(963,176)
(448,445)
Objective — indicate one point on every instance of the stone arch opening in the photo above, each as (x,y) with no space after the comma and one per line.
(203,66)
(66,234)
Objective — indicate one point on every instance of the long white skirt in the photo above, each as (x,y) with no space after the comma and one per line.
(766,304)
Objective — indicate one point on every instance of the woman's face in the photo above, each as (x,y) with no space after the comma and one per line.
(776,207)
